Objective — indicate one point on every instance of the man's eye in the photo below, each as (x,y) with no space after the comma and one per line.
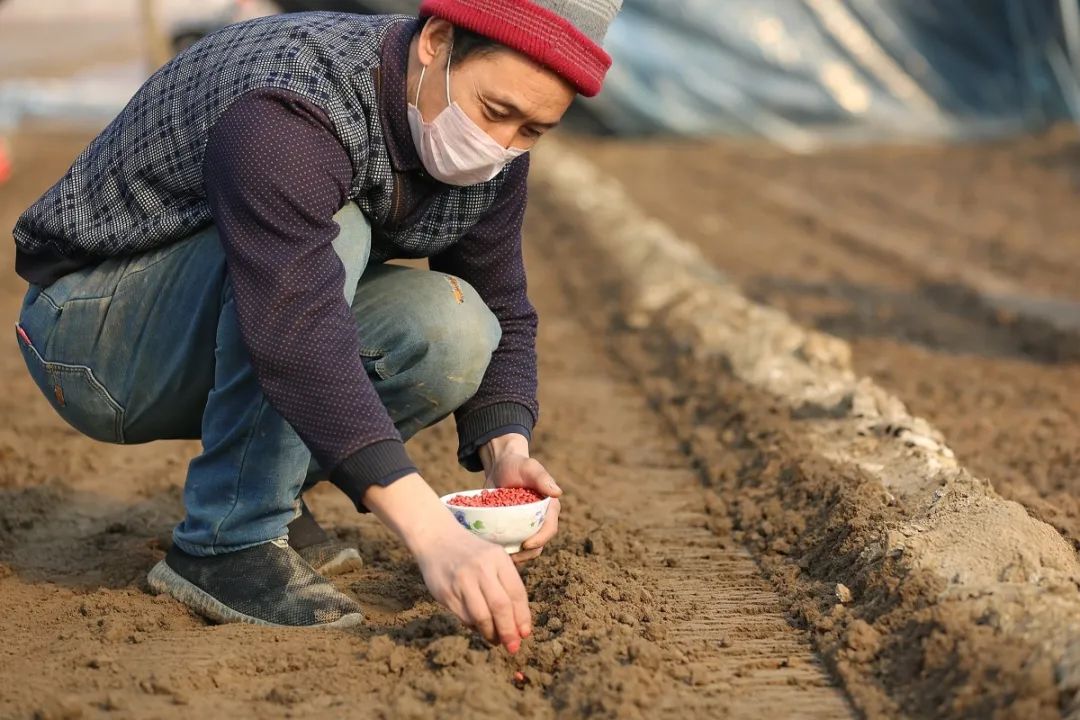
(495,114)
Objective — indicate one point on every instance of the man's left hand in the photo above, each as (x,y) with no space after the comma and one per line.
(507,465)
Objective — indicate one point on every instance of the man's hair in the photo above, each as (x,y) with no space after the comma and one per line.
(469,44)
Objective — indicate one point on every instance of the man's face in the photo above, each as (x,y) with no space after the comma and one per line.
(512,98)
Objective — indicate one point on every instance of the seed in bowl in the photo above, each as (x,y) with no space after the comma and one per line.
(501,497)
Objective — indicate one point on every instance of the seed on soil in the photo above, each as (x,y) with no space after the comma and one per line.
(501,497)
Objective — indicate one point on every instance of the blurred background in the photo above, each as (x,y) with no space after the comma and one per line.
(903,174)
(801,73)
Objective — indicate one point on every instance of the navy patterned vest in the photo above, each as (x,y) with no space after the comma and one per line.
(138,185)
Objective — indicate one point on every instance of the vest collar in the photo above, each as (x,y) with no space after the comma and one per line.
(393,100)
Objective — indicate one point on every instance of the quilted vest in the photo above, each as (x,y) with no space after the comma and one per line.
(138,185)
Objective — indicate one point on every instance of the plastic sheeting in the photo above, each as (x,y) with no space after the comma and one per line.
(803,72)
(806,72)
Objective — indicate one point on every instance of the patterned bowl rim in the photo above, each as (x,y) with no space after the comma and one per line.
(446,501)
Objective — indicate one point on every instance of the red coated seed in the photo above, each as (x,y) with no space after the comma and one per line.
(519,677)
(501,497)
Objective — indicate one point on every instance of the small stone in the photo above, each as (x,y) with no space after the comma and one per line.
(285,694)
(397,660)
(113,702)
(448,651)
(843,593)
(67,709)
(611,594)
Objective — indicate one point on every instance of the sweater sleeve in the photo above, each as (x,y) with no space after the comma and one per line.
(275,175)
(489,258)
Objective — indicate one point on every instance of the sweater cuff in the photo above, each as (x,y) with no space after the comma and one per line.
(489,422)
(378,464)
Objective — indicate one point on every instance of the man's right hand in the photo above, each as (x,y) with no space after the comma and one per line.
(479,583)
(474,579)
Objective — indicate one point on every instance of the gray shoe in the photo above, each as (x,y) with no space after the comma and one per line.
(268,584)
(325,553)
(332,557)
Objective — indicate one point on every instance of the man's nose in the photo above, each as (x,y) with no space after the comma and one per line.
(504,134)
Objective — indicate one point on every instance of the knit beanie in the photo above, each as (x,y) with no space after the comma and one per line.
(563,35)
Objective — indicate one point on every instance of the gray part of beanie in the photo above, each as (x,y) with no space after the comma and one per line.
(591,17)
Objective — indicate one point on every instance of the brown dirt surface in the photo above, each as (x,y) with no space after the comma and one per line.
(1007,404)
(646,606)
(926,593)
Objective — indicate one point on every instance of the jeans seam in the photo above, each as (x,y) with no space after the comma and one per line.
(380,362)
(174,248)
(240,473)
(48,299)
(192,549)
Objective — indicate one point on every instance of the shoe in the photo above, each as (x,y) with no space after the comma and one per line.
(267,584)
(322,551)
(332,557)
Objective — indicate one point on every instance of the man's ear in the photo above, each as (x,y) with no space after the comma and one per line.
(435,39)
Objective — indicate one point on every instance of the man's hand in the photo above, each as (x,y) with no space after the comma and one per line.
(476,580)
(507,464)
(473,578)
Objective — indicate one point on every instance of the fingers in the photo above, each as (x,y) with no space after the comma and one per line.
(477,613)
(519,600)
(520,558)
(547,530)
(502,610)
(529,473)
(535,476)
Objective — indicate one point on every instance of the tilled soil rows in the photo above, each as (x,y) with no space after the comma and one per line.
(646,606)
(927,592)
(1004,394)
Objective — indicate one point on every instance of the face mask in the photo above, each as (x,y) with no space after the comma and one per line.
(453,148)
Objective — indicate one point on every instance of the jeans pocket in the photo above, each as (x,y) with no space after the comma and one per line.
(374,362)
(75,393)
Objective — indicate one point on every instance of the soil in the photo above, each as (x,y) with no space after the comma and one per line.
(649,603)
(925,592)
(1008,405)
(646,605)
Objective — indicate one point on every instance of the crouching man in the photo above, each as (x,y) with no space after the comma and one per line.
(213,266)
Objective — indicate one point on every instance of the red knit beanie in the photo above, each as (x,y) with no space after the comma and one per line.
(563,35)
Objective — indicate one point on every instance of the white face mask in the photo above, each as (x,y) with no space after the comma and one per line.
(453,148)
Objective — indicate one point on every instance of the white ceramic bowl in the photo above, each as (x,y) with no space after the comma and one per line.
(508,526)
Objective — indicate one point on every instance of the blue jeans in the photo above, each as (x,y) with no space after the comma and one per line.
(148,347)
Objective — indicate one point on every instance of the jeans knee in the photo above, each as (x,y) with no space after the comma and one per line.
(352,245)
(463,342)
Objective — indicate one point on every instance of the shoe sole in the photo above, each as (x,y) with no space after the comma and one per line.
(345,560)
(163,579)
